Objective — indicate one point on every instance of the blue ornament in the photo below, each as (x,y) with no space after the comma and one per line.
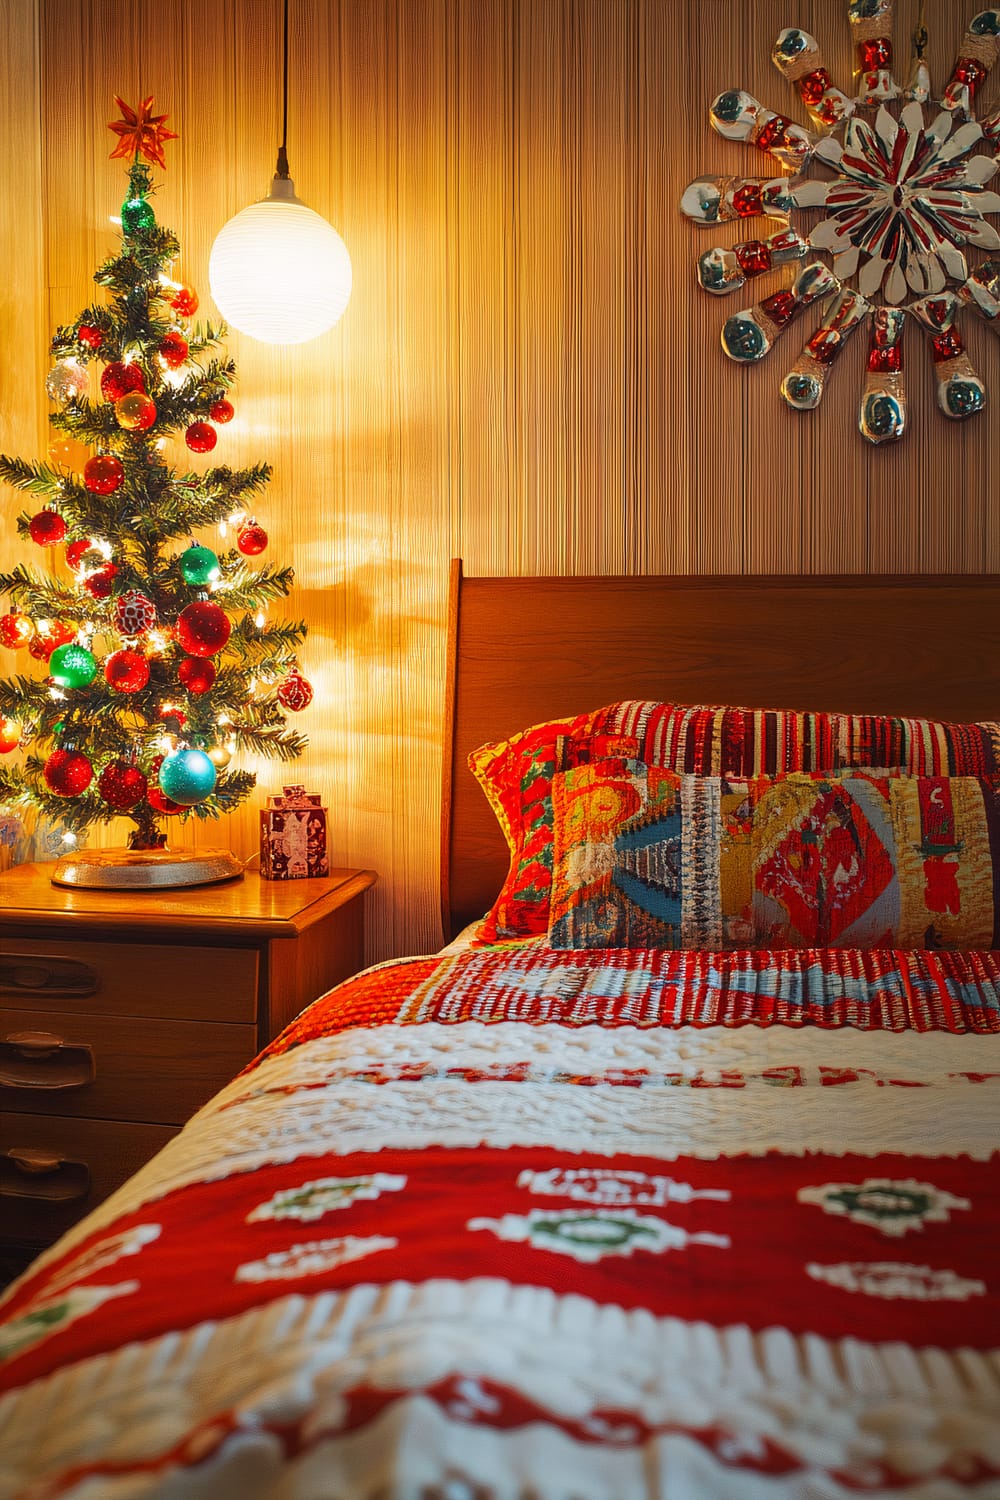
(187,777)
(199,565)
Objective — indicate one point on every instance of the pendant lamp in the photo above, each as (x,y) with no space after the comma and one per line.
(278,271)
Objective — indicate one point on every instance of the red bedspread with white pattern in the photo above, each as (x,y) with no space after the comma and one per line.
(523,1223)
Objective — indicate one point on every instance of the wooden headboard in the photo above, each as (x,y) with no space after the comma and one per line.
(522,650)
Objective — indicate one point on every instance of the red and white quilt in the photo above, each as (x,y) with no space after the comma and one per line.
(524,1223)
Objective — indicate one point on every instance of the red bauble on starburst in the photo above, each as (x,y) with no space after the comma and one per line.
(251,539)
(134,613)
(201,437)
(203,628)
(222,410)
(104,474)
(122,785)
(173,349)
(126,671)
(119,379)
(294,692)
(196,674)
(184,301)
(67,773)
(10,735)
(76,551)
(16,630)
(100,583)
(47,528)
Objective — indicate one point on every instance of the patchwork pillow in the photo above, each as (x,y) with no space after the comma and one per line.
(647,858)
(516,774)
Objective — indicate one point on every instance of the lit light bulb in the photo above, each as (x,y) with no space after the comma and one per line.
(57,693)
(260,619)
(104,548)
(69,838)
(278,271)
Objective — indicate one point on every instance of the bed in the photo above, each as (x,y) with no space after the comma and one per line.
(609,1197)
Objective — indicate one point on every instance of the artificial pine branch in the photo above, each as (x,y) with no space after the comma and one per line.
(273,744)
(37,595)
(243,587)
(36,478)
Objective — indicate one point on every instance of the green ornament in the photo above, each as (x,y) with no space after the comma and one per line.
(137,214)
(199,565)
(72,666)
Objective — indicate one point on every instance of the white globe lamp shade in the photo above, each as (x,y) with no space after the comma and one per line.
(278,271)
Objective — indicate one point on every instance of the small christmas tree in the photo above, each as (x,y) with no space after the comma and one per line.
(160,663)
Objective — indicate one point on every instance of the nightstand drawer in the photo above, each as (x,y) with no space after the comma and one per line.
(98,1066)
(52,1172)
(130,979)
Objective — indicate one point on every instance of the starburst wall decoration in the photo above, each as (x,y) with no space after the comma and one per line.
(900,180)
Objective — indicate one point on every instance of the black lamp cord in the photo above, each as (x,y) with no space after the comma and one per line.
(282,152)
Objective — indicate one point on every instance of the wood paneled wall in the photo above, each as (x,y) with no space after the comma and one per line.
(527,374)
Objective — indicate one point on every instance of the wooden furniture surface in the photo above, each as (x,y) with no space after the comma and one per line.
(121,1013)
(523,650)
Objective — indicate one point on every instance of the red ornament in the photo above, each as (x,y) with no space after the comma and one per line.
(15,631)
(251,539)
(122,785)
(119,379)
(136,412)
(202,628)
(170,712)
(104,474)
(67,773)
(173,349)
(201,438)
(222,410)
(134,613)
(99,583)
(58,633)
(197,675)
(126,671)
(154,796)
(294,692)
(10,735)
(47,528)
(161,802)
(90,336)
(77,551)
(184,301)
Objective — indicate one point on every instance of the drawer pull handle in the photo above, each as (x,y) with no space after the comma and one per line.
(42,1060)
(31,1172)
(42,975)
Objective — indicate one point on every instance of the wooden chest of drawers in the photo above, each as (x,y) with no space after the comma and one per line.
(122,1013)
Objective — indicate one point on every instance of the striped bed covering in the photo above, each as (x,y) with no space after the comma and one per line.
(518,1223)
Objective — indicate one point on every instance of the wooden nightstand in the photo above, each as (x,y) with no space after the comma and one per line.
(122,1013)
